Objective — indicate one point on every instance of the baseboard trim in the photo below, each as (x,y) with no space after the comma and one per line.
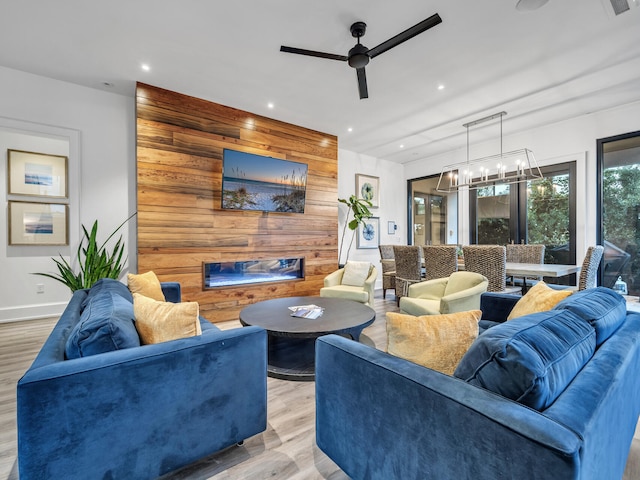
(31,312)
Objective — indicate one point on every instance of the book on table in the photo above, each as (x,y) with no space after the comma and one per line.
(306,311)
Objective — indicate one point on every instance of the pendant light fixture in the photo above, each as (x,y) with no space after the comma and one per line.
(503,168)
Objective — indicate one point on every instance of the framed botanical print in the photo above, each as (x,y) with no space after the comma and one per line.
(368,188)
(33,223)
(369,233)
(39,174)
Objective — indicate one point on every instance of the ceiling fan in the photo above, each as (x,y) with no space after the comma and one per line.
(360,55)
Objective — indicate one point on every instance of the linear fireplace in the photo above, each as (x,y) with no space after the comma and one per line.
(228,274)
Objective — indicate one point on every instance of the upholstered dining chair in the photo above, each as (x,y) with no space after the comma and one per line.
(520,253)
(487,260)
(387,260)
(408,268)
(439,260)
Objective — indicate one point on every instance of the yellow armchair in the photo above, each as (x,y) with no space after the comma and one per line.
(459,292)
(351,290)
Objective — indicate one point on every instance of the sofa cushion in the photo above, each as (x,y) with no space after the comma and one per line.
(355,273)
(108,285)
(530,359)
(604,309)
(146,284)
(158,322)
(106,324)
(357,294)
(434,341)
(539,298)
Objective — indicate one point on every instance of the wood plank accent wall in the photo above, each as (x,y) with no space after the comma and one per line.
(180,140)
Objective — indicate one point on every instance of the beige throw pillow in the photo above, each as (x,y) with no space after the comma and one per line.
(158,322)
(539,298)
(355,273)
(146,284)
(435,341)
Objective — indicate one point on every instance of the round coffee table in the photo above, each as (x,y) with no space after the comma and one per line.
(292,339)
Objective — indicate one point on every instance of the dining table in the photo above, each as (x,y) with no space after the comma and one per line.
(514,269)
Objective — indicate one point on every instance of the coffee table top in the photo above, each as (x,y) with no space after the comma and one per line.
(340,316)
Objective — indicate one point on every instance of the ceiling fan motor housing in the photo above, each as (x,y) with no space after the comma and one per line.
(358,56)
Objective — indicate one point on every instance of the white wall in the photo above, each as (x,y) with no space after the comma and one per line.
(98,130)
(573,139)
(393,202)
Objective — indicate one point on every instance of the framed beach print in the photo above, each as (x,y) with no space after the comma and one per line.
(369,233)
(368,188)
(40,174)
(38,223)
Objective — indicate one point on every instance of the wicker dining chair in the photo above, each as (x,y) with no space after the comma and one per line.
(488,260)
(520,253)
(589,272)
(440,261)
(387,260)
(408,268)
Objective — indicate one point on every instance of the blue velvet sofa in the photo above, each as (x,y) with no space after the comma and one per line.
(142,411)
(382,417)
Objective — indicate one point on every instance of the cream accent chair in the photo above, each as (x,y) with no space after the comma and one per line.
(459,292)
(359,285)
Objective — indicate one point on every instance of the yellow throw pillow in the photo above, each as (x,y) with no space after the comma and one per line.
(158,322)
(146,284)
(539,298)
(435,341)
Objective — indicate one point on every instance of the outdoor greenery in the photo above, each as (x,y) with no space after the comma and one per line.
(360,209)
(94,261)
(621,204)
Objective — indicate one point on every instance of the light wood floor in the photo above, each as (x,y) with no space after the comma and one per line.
(286,450)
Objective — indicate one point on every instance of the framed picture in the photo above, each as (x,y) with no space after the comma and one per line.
(369,233)
(368,188)
(38,223)
(32,173)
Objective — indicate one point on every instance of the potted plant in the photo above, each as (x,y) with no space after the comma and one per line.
(360,209)
(94,261)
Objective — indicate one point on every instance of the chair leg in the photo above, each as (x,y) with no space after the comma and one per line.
(384,293)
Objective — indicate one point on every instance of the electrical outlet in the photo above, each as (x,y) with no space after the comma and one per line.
(40,288)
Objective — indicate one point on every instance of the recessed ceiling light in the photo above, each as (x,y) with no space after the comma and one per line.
(145,67)
(349,129)
(440,87)
(401,146)
(270,105)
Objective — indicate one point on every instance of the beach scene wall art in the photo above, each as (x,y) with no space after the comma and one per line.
(257,182)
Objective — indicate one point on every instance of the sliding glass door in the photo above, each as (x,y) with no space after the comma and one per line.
(540,212)
(619,210)
(433,215)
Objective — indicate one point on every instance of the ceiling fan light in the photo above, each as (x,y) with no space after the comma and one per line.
(358,56)
(528,5)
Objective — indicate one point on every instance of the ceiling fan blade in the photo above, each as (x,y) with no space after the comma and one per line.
(313,53)
(424,25)
(362,83)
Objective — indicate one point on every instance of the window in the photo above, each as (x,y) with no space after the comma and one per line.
(540,212)
(619,209)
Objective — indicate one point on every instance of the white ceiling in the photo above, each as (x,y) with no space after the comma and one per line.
(569,58)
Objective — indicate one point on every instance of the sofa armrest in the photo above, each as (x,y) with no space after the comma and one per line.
(172,292)
(334,278)
(430,289)
(175,401)
(418,423)
(496,307)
